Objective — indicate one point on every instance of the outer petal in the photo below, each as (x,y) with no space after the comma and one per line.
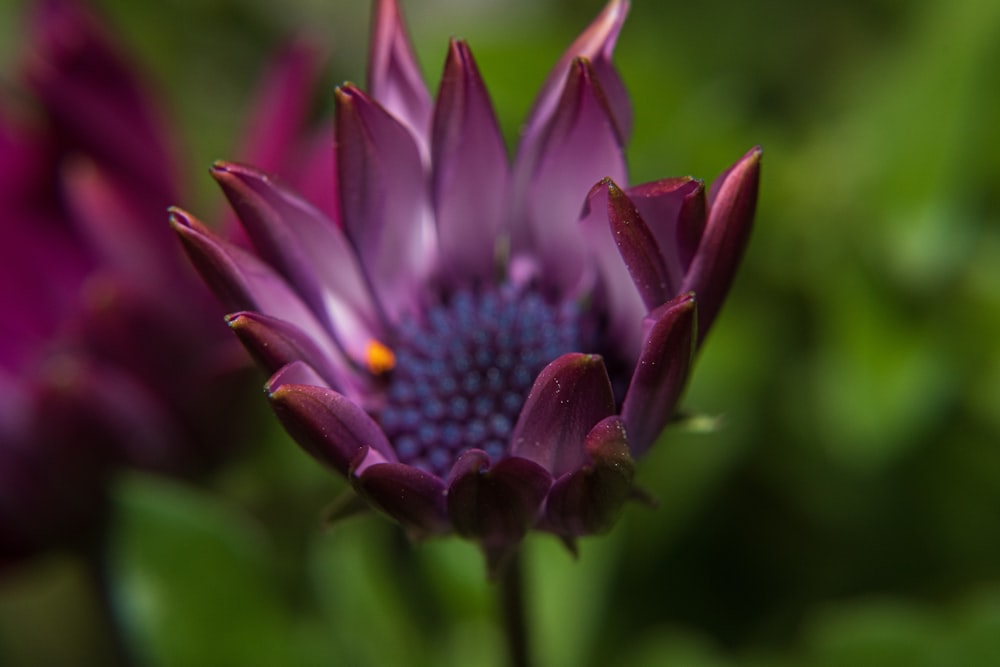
(414,498)
(596,44)
(732,203)
(275,343)
(393,74)
(639,249)
(617,294)
(470,178)
(243,282)
(308,249)
(661,373)
(569,396)
(496,506)
(588,500)
(674,210)
(327,425)
(384,199)
(583,145)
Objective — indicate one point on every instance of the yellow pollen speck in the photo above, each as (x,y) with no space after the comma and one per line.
(379,358)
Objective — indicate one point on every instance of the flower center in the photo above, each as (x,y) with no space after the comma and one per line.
(462,373)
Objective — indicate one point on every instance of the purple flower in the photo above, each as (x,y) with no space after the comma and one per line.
(112,352)
(481,348)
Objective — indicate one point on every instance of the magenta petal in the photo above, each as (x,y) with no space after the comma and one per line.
(569,396)
(588,500)
(241,281)
(470,176)
(596,44)
(674,210)
(97,100)
(661,373)
(112,223)
(732,204)
(384,198)
(639,249)
(496,506)
(327,425)
(394,78)
(414,498)
(281,107)
(308,249)
(583,145)
(617,293)
(275,343)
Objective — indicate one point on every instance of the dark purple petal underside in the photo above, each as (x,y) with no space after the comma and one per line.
(569,396)
(588,500)
(275,343)
(732,204)
(639,249)
(661,373)
(674,210)
(470,178)
(327,425)
(412,497)
(617,294)
(496,506)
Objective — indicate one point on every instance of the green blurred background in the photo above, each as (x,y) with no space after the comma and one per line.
(847,510)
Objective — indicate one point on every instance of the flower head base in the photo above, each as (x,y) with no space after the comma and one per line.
(481,348)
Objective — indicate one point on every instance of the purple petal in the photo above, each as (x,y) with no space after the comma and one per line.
(281,107)
(617,293)
(674,210)
(639,249)
(309,250)
(583,146)
(394,78)
(296,372)
(327,425)
(470,176)
(114,227)
(732,203)
(661,373)
(496,506)
(275,343)
(414,498)
(588,500)
(80,400)
(596,44)
(384,199)
(95,99)
(243,282)
(569,396)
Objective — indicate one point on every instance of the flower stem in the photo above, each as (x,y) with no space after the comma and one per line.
(513,607)
(120,654)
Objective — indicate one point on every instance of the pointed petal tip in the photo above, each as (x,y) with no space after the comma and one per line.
(184,223)
(346,92)
(236,320)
